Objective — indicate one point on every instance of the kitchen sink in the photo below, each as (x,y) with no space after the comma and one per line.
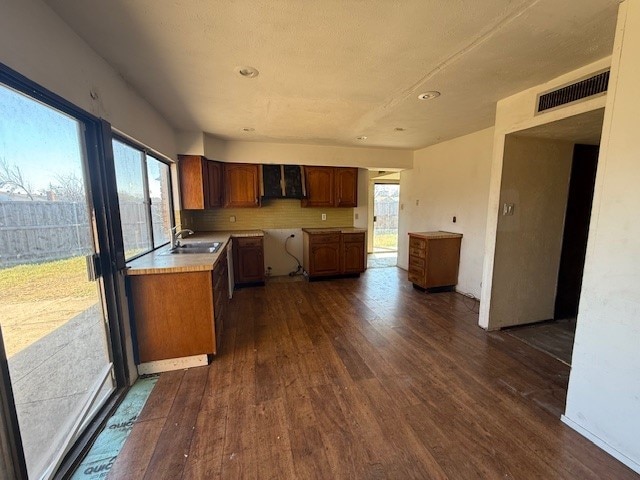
(195,247)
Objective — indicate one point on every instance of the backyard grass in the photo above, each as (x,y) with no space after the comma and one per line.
(385,240)
(38,298)
(50,280)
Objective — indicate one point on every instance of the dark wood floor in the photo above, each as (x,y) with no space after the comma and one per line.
(554,337)
(361,379)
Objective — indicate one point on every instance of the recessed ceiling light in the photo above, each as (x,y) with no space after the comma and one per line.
(248,129)
(399,129)
(429,95)
(248,72)
(362,137)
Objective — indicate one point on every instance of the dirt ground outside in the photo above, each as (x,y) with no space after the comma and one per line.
(36,299)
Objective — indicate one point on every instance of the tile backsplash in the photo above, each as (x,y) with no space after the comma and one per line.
(274,214)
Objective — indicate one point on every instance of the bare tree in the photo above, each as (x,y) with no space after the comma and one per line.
(68,187)
(11,179)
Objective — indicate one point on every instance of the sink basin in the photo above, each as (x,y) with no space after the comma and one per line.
(195,247)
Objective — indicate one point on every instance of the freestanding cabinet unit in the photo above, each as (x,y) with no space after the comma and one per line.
(434,258)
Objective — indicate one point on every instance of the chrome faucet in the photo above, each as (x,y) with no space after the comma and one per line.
(177,234)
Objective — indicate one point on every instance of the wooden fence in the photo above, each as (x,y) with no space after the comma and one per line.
(33,232)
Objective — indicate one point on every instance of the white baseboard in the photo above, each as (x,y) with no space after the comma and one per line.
(170,364)
(602,444)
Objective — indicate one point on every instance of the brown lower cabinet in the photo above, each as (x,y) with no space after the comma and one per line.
(332,253)
(434,258)
(179,314)
(248,261)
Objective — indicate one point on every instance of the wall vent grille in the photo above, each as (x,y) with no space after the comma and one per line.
(576,91)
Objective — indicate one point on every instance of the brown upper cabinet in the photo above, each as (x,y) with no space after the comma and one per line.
(331,187)
(200,182)
(346,187)
(242,186)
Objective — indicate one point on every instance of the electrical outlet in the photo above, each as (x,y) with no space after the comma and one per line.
(417,203)
(232,219)
(357,216)
(324,216)
(507,209)
(454,219)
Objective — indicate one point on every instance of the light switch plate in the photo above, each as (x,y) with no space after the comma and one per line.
(507,209)
(324,216)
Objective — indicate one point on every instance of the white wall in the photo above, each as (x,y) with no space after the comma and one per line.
(302,154)
(535,178)
(362,210)
(35,42)
(604,387)
(450,179)
(514,114)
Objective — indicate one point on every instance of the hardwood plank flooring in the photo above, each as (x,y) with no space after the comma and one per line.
(361,379)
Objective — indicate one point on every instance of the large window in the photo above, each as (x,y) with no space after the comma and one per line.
(144,194)
(60,366)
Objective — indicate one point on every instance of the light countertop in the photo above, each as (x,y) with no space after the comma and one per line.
(334,230)
(436,235)
(159,261)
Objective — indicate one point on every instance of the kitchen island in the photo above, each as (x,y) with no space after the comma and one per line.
(332,252)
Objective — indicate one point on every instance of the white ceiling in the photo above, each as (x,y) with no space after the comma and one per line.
(332,70)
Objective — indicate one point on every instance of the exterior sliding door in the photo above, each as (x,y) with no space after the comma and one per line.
(54,322)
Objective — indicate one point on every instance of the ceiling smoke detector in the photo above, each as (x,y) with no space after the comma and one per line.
(429,95)
(248,72)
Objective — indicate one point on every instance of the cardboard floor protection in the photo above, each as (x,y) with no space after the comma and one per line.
(103,453)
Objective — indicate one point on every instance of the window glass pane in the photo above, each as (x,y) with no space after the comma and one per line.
(129,164)
(53,325)
(160,195)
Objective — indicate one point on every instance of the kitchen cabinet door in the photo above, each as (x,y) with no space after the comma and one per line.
(248,260)
(353,254)
(192,182)
(320,187)
(324,255)
(214,190)
(241,185)
(346,187)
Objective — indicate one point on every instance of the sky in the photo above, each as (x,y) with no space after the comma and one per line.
(43,142)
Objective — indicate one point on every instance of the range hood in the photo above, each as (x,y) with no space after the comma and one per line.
(282,181)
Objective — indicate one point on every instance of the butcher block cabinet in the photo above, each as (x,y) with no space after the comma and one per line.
(242,185)
(248,261)
(333,252)
(331,187)
(434,258)
(200,182)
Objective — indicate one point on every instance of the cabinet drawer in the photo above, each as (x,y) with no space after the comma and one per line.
(418,271)
(415,242)
(415,279)
(353,237)
(249,241)
(417,261)
(325,238)
(417,252)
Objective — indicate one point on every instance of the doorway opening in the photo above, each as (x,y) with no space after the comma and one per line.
(386,203)
(546,197)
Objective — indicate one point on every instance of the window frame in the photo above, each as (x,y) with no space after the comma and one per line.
(122,138)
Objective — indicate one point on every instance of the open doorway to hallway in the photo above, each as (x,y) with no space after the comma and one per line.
(546,196)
